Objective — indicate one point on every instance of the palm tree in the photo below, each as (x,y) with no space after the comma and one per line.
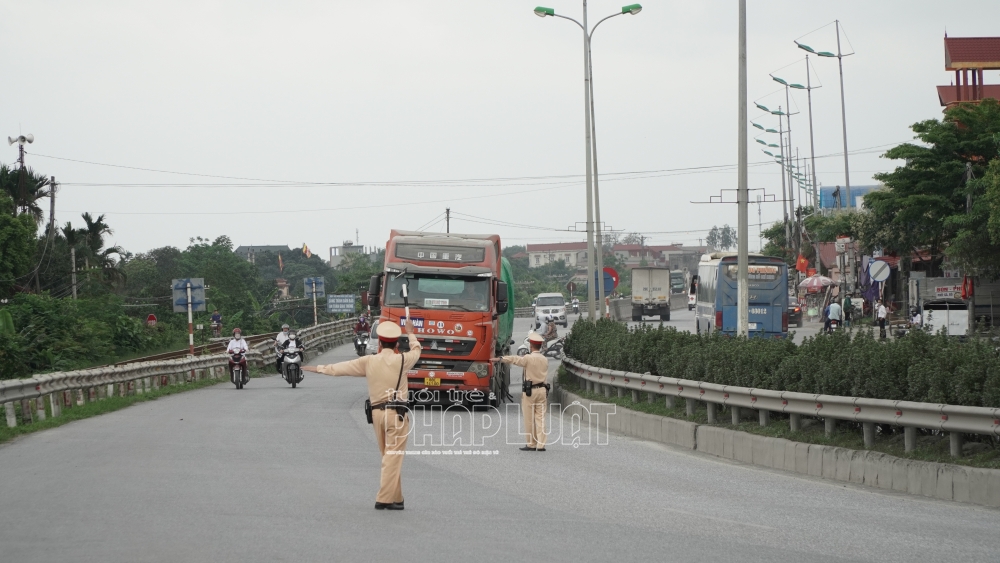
(25,187)
(103,259)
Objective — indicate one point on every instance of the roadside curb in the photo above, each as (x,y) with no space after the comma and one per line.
(872,469)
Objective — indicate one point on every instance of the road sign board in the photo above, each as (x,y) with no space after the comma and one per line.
(151,320)
(571,287)
(320,287)
(610,281)
(879,270)
(179,294)
(340,303)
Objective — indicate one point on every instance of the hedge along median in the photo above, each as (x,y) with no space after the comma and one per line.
(921,367)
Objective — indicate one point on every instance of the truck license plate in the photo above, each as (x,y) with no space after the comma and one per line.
(432,381)
(752,326)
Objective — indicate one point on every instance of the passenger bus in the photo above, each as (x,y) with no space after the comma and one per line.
(717,293)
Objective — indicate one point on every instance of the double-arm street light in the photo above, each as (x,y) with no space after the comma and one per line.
(593,190)
(843,107)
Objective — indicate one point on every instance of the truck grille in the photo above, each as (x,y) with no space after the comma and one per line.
(441,345)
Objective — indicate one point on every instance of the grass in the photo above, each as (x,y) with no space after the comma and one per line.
(99,407)
(888,439)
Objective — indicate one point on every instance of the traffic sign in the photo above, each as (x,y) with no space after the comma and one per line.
(610,280)
(179,294)
(878,270)
(320,286)
(151,319)
(571,287)
(340,303)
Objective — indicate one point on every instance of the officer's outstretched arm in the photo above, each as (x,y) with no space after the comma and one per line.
(353,368)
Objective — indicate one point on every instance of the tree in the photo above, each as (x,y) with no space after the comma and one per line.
(17,245)
(634,238)
(25,188)
(722,239)
(926,200)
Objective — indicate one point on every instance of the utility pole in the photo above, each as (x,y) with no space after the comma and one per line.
(743,194)
(190,321)
(52,207)
(592,296)
(447,219)
(843,118)
(784,192)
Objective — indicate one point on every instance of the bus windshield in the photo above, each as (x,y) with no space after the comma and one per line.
(436,291)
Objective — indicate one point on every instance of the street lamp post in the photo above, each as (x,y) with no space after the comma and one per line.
(742,193)
(595,248)
(843,107)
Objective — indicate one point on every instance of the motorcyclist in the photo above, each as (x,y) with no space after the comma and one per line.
(238,346)
(362,325)
(576,305)
(279,342)
(293,340)
(551,333)
(216,322)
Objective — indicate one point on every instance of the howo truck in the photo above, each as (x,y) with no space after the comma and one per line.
(460,293)
(650,293)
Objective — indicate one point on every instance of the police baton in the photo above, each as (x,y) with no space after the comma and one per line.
(406,300)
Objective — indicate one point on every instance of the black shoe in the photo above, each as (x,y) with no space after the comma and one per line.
(527,449)
(388,506)
(540,450)
(397,506)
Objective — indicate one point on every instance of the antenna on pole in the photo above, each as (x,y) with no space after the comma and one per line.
(447,219)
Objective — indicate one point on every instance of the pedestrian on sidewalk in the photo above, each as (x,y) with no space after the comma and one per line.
(881,314)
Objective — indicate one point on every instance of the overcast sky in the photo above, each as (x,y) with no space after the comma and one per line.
(423,96)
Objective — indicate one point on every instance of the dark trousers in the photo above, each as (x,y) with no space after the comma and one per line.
(881,328)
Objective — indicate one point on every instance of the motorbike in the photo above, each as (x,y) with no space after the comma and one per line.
(216,329)
(551,349)
(834,325)
(361,342)
(238,373)
(576,308)
(291,365)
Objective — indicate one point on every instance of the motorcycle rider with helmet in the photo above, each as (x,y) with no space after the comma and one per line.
(551,333)
(279,342)
(362,325)
(238,346)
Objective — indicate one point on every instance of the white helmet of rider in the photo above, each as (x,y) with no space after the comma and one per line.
(284,328)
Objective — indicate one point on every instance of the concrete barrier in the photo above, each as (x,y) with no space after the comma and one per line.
(867,468)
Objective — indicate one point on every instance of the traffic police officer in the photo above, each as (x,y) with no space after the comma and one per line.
(387,387)
(534,395)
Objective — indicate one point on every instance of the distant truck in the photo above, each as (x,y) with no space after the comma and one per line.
(461,297)
(650,293)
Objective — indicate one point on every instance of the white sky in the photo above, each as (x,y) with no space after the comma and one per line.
(428,90)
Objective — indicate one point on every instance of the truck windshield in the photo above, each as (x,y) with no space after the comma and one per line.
(550,301)
(435,291)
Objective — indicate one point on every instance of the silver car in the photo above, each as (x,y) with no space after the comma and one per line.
(372,347)
(550,304)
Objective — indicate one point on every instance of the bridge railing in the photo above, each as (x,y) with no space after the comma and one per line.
(64,389)
(954,419)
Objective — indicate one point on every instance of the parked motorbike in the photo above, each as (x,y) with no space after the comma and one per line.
(361,342)
(291,365)
(238,372)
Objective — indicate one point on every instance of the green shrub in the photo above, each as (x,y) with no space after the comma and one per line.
(921,367)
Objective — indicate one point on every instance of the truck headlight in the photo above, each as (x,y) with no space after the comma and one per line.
(481,369)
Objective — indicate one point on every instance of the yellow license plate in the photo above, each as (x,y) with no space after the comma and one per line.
(432,381)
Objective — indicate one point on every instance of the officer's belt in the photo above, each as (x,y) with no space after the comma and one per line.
(389,405)
(543,384)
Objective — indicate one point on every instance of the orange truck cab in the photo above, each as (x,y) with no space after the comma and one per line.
(460,294)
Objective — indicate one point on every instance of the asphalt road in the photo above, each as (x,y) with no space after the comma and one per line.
(275,474)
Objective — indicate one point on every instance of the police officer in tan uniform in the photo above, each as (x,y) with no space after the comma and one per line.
(534,391)
(387,388)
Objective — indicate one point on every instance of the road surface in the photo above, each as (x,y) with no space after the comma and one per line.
(275,474)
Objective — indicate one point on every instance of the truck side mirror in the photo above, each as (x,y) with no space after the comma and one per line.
(502,303)
(375,289)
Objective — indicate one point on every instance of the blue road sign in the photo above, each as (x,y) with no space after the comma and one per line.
(320,287)
(179,295)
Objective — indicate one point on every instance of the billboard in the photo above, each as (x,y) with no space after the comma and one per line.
(340,303)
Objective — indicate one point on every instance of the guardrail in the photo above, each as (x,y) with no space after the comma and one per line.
(64,389)
(954,419)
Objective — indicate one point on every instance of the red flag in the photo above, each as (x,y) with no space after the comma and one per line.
(305,250)
(802,264)
(281,265)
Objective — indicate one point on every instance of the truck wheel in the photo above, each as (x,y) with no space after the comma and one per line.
(665,316)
